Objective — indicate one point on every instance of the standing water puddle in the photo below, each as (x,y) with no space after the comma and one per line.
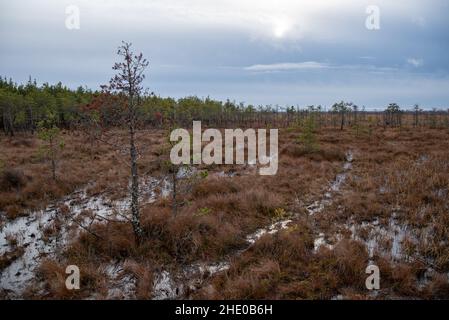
(30,231)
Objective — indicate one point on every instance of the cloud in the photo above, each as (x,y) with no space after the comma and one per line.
(314,65)
(280,21)
(207,47)
(415,62)
(287,66)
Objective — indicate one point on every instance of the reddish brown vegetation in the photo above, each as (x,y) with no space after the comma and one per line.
(396,172)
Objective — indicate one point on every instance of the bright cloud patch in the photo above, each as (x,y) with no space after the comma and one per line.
(415,62)
(287,66)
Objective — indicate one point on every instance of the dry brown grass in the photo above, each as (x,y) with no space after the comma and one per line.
(26,183)
(327,153)
(53,285)
(284,267)
(389,175)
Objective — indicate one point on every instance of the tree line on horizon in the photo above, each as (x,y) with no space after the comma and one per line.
(24,106)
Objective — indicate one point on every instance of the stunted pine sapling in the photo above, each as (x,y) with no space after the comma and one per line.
(416,113)
(342,108)
(307,138)
(127,85)
(392,115)
(53,143)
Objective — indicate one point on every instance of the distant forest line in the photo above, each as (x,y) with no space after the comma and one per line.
(24,106)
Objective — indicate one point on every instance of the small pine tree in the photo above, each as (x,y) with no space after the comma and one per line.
(308,138)
(50,134)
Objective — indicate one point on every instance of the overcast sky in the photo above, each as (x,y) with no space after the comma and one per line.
(293,52)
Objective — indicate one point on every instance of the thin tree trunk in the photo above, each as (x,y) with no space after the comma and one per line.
(135,219)
(174,204)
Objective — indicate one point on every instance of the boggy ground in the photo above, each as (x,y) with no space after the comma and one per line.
(391,211)
(358,198)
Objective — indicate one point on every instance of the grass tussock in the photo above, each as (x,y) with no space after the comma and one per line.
(284,266)
(322,153)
